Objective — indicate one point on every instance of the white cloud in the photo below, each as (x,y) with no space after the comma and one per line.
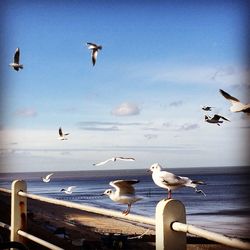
(26,112)
(126,109)
(192,74)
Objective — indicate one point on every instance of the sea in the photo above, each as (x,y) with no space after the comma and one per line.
(225,208)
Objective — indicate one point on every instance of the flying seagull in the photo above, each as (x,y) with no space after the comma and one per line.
(62,135)
(215,119)
(237,106)
(171,181)
(69,190)
(15,65)
(47,177)
(207,108)
(114,159)
(95,48)
(124,193)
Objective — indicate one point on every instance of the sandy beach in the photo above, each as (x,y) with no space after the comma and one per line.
(70,228)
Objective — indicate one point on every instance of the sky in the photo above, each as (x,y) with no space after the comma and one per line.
(161,61)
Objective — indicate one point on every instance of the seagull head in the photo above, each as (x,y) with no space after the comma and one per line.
(108,192)
(155,167)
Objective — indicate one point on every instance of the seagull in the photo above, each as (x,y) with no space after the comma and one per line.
(124,193)
(95,48)
(114,159)
(215,119)
(237,106)
(69,190)
(47,177)
(15,65)
(171,181)
(207,108)
(62,135)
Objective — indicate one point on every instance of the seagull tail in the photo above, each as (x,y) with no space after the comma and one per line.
(198,182)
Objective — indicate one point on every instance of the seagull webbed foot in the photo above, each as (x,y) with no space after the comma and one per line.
(200,191)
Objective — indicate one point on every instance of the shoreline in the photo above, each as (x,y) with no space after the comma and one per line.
(67,227)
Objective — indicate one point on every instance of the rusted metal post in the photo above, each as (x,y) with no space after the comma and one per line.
(167,212)
(18,210)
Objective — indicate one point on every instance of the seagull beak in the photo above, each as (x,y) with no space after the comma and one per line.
(148,170)
(102,194)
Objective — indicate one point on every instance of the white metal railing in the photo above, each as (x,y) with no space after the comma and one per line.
(170,221)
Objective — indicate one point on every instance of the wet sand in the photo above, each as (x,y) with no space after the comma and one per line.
(67,227)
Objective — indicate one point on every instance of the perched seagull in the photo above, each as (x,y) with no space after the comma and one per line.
(62,135)
(95,48)
(171,181)
(15,65)
(69,190)
(215,119)
(207,108)
(124,193)
(237,106)
(114,159)
(47,177)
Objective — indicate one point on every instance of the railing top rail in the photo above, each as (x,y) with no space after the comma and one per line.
(216,237)
(96,210)
(5,190)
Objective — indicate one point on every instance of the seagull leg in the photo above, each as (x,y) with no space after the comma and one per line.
(126,212)
(169,194)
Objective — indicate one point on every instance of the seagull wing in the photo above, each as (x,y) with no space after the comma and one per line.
(125,158)
(69,189)
(92,45)
(229,97)
(124,187)
(102,162)
(171,179)
(60,132)
(217,118)
(224,118)
(48,176)
(16,56)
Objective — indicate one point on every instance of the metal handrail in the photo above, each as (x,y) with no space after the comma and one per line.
(222,239)
(96,210)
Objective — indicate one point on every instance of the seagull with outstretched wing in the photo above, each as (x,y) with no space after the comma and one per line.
(215,119)
(236,106)
(95,49)
(62,136)
(69,190)
(124,193)
(114,159)
(15,64)
(47,178)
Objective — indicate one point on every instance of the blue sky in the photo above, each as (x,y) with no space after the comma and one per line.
(161,60)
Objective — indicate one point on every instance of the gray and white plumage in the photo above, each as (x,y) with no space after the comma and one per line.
(95,49)
(124,193)
(236,105)
(15,64)
(215,119)
(47,178)
(62,136)
(171,181)
(114,159)
(69,190)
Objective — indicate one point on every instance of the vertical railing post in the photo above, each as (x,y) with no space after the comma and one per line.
(18,210)
(167,212)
